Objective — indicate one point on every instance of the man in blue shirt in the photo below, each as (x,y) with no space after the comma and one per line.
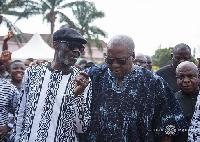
(130,103)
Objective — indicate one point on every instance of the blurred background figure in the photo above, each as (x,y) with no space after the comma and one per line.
(8,106)
(181,53)
(82,63)
(17,69)
(140,60)
(89,64)
(149,62)
(28,61)
(6,57)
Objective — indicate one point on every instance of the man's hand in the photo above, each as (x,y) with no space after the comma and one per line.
(4,130)
(81,82)
(8,36)
(6,55)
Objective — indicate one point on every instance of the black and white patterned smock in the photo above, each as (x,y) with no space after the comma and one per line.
(194,129)
(48,109)
(8,100)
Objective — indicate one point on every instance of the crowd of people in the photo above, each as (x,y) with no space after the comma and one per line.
(119,101)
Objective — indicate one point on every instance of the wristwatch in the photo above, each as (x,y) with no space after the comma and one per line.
(10,125)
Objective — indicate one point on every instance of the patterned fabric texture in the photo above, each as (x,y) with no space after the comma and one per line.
(48,110)
(194,129)
(8,100)
(142,109)
(9,96)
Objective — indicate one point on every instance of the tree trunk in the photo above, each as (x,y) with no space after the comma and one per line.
(1,19)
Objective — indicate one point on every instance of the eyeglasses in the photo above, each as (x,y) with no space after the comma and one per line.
(73,45)
(119,61)
(139,61)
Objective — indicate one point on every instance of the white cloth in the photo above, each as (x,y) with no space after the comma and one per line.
(194,129)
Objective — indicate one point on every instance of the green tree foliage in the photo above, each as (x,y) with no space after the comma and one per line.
(50,9)
(194,60)
(9,8)
(85,13)
(162,57)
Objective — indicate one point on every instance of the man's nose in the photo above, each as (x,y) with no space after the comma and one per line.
(186,79)
(138,63)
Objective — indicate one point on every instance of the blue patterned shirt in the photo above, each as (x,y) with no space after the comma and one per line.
(143,108)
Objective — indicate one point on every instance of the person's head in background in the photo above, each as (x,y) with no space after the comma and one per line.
(17,69)
(140,60)
(188,77)
(181,53)
(149,62)
(82,63)
(28,61)
(89,64)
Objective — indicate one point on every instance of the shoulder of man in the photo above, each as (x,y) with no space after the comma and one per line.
(96,70)
(35,68)
(7,84)
(163,69)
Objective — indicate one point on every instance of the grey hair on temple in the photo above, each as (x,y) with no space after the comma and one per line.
(122,40)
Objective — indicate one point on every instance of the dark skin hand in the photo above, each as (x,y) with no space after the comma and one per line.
(5,55)
(81,82)
(5,39)
(5,129)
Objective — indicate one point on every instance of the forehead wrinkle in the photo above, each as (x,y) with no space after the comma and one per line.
(117,51)
(187,67)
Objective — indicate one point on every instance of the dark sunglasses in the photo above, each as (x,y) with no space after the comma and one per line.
(140,61)
(73,45)
(119,61)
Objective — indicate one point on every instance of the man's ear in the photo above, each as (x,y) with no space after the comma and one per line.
(56,45)
(133,56)
(172,55)
(199,77)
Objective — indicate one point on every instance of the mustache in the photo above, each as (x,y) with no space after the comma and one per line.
(76,54)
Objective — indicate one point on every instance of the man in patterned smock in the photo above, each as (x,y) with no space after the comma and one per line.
(49,110)
(8,104)
(194,129)
(130,103)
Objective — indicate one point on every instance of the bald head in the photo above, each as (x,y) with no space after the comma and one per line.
(188,77)
(140,60)
(185,65)
(141,57)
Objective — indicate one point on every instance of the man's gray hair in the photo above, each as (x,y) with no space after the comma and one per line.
(122,40)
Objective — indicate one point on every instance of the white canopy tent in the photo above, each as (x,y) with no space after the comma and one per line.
(36,48)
